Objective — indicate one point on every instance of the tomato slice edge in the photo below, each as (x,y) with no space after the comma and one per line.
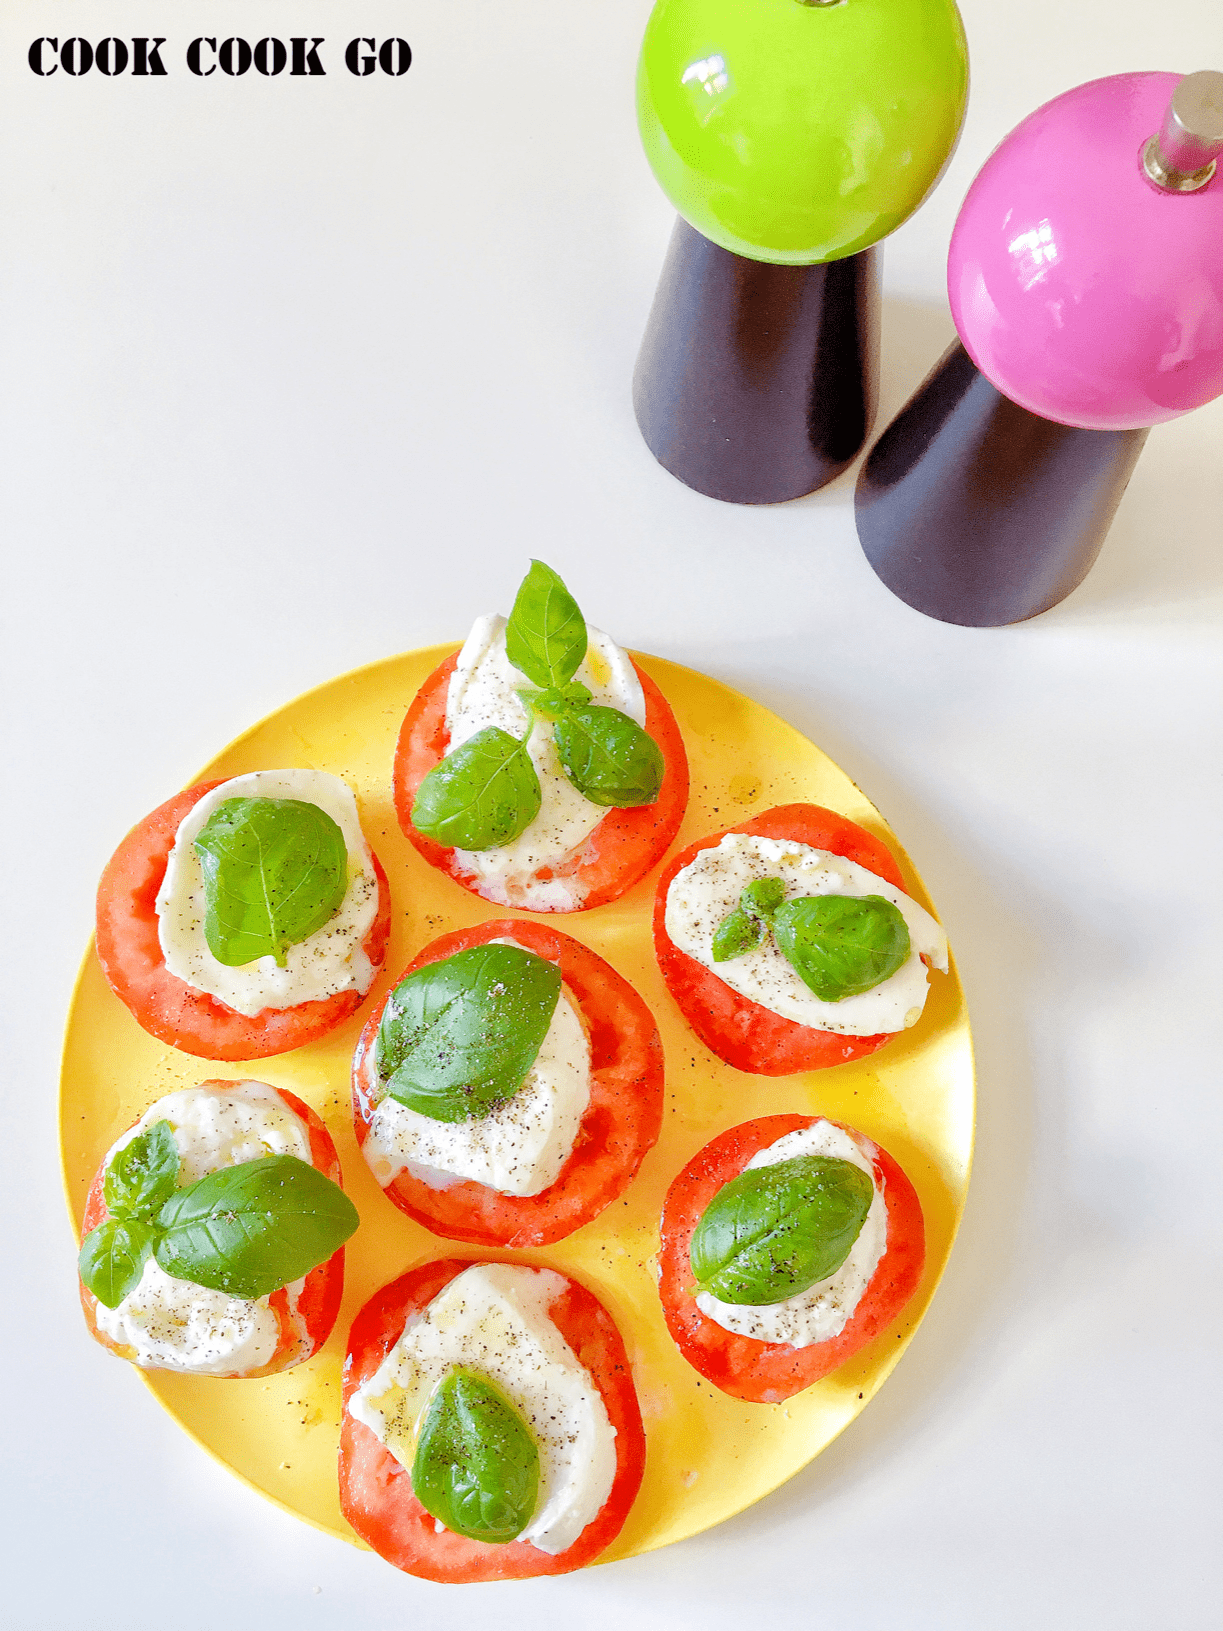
(768,1372)
(376,1491)
(167,1007)
(322,1291)
(620,850)
(620,1127)
(741,1032)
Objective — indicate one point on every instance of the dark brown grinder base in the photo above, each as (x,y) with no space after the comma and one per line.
(757,383)
(976,511)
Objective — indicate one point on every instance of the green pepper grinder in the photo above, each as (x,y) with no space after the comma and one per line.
(791,136)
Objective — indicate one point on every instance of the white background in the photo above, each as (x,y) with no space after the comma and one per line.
(297,374)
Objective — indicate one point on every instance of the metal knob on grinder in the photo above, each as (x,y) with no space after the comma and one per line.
(1182,155)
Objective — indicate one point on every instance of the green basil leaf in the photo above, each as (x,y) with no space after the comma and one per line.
(608,757)
(476,1467)
(774,1231)
(737,934)
(113,1257)
(576,694)
(252,1228)
(142,1174)
(545,637)
(483,794)
(763,897)
(458,1037)
(842,945)
(275,871)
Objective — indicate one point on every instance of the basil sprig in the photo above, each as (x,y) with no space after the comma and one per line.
(458,1037)
(838,945)
(476,1467)
(775,1231)
(487,792)
(747,926)
(275,871)
(246,1230)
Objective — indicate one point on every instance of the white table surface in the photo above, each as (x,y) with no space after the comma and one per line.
(297,374)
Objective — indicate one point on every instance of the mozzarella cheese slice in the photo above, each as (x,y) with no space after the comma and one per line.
(330,960)
(172,1324)
(494,1318)
(826,1308)
(518,1150)
(708,889)
(484,691)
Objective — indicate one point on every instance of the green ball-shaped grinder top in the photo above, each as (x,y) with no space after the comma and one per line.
(799,132)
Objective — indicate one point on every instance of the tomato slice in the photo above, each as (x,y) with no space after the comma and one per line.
(376,1491)
(302,1332)
(621,1123)
(738,1030)
(167,1007)
(620,850)
(766,1372)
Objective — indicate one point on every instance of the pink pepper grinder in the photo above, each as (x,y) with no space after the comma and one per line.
(1086,284)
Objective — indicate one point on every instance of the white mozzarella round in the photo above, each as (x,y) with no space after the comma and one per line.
(173,1324)
(483,692)
(494,1318)
(826,1308)
(519,1150)
(330,960)
(707,890)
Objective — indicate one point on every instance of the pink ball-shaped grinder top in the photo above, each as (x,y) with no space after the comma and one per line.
(1080,289)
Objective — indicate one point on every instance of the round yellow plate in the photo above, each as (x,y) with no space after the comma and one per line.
(709,1455)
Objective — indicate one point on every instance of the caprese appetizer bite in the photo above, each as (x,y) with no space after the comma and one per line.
(789,943)
(490,1428)
(788,1244)
(213,1234)
(245,917)
(540,767)
(508,1088)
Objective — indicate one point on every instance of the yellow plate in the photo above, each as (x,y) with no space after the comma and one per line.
(709,1456)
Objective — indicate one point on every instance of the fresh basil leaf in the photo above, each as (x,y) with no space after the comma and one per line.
(737,934)
(252,1228)
(545,636)
(763,897)
(476,1467)
(483,794)
(608,757)
(275,871)
(774,1231)
(142,1175)
(576,694)
(458,1037)
(841,945)
(113,1257)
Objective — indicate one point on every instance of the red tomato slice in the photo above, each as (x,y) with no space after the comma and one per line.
(167,1007)
(766,1372)
(620,850)
(376,1491)
(301,1334)
(737,1029)
(621,1123)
